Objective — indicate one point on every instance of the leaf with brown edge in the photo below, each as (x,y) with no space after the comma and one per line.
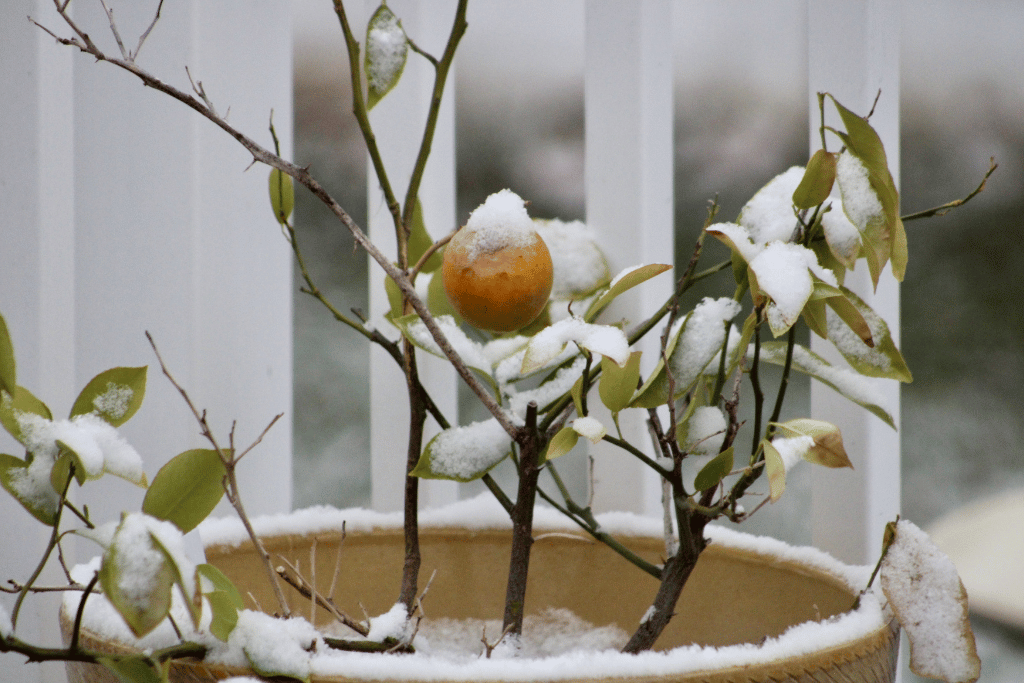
(828,449)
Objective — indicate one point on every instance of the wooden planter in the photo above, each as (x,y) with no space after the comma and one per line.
(734,596)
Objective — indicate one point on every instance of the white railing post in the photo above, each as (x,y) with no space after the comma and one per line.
(122,212)
(853,52)
(628,189)
(398,122)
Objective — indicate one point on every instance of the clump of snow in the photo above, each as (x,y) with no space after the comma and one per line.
(860,201)
(924,589)
(792,449)
(471,352)
(114,401)
(768,216)
(392,624)
(589,428)
(500,222)
(784,273)
(705,431)
(550,342)
(276,646)
(547,392)
(386,50)
(463,452)
(100,448)
(842,236)
(701,339)
(578,264)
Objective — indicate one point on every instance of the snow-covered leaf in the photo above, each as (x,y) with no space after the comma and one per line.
(870,198)
(775,469)
(550,342)
(15,407)
(816,184)
(925,592)
(703,432)
(850,384)
(282,195)
(275,648)
(882,359)
(30,486)
(471,352)
(714,471)
(827,449)
(115,395)
(186,489)
(624,281)
(693,342)
(464,453)
(386,52)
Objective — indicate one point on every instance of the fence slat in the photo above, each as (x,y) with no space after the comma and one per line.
(853,52)
(628,189)
(123,212)
(398,124)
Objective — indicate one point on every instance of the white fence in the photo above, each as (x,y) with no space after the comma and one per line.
(124,212)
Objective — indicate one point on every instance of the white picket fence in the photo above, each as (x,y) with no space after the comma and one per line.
(124,212)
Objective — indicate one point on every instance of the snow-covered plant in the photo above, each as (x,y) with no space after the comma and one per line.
(790,248)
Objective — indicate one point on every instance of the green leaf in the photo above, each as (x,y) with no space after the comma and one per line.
(62,468)
(136,668)
(816,184)
(561,443)
(420,240)
(186,489)
(715,471)
(775,468)
(386,52)
(8,370)
(14,405)
(577,395)
(623,284)
(224,599)
(115,395)
(847,382)
(618,384)
(224,615)
(221,583)
(394,298)
(282,195)
(13,474)
(828,449)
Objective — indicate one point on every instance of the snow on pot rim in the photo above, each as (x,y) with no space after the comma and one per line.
(483,517)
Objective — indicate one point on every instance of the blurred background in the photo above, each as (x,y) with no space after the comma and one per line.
(740,107)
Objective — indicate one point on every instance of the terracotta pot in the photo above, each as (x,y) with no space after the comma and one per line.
(734,596)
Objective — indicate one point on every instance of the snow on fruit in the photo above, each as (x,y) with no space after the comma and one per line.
(497,270)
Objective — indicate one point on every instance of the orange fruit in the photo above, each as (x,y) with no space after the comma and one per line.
(497,270)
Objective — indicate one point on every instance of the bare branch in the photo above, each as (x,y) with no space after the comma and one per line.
(113,30)
(145,34)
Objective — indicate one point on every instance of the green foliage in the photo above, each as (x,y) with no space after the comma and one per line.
(816,185)
(8,371)
(618,383)
(115,395)
(187,488)
(224,599)
(717,469)
(282,195)
(561,443)
(137,669)
(13,472)
(386,52)
(623,284)
(14,406)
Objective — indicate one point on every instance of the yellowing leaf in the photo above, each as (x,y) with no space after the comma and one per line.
(624,282)
(561,443)
(828,449)
(775,468)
